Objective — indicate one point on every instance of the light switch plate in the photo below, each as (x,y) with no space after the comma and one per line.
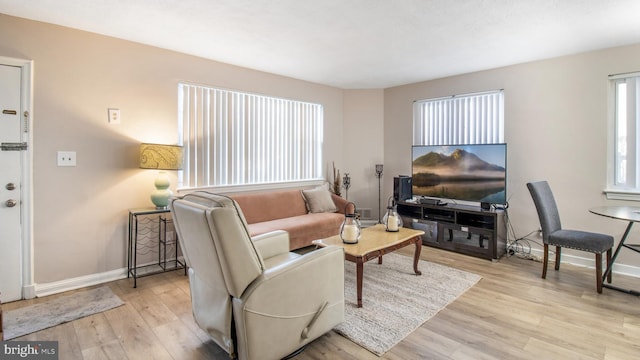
(114,116)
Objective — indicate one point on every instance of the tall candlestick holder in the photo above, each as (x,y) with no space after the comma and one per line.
(346,182)
(379,176)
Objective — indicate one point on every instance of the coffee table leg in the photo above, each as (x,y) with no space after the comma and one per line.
(359,269)
(416,256)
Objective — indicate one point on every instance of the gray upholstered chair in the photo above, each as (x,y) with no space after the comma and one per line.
(253,297)
(553,233)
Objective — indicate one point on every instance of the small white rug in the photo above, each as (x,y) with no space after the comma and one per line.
(58,311)
(396,301)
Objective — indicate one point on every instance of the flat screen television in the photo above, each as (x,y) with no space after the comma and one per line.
(475,173)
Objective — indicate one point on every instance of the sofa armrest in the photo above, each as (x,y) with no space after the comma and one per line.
(272,243)
(340,202)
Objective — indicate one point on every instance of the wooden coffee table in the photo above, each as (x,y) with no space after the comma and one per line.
(375,242)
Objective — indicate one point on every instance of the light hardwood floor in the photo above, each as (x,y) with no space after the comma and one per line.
(510,314)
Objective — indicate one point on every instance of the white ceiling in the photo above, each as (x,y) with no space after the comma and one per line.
(354,44)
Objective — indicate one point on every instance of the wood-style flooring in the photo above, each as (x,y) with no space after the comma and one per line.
(510,314)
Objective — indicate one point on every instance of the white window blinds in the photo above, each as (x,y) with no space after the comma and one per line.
(461,119)
(235,138)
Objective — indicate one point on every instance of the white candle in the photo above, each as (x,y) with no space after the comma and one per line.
(392,223)
(350,233)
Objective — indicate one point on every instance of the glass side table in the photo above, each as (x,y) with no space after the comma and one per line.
(148,230)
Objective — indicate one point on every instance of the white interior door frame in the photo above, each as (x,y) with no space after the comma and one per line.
(28,283)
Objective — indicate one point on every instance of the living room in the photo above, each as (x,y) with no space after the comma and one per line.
(556,126)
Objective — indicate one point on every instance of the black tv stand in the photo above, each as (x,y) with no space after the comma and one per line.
(461,228)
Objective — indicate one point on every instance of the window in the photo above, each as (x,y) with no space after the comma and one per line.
(624,177)
(234,138)
(460,119)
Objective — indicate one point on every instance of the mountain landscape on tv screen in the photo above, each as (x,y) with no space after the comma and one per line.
(460,175)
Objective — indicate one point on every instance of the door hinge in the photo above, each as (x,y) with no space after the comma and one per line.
(19,146)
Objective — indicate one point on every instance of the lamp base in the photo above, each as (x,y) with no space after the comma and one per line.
(160,197)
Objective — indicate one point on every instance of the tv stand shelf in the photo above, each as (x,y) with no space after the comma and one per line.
(461,228)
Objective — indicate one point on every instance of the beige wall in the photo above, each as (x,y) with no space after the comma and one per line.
(555,126)
(80,220)
(363,147)
(555,112)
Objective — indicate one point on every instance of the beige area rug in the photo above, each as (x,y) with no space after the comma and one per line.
(58,311)
(395,301)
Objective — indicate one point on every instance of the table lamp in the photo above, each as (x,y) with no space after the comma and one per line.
(161,157)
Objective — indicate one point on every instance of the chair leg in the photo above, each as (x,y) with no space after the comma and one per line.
(599,272)
(609,264)
(558,250)
(545,261)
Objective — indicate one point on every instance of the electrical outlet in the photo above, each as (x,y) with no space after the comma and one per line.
(66,158)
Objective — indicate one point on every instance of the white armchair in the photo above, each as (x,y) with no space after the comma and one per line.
(253,297)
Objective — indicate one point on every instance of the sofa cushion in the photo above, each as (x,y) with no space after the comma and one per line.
(319,200)
(270,205)
(303,228)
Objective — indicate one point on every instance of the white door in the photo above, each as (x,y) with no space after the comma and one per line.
(11,115)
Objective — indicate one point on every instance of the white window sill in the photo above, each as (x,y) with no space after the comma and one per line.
(255,187)
(620,194)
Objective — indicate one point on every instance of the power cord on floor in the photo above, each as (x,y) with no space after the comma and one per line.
(520,246)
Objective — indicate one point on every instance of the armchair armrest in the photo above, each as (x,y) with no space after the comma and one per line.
(319,270)
(291,304)
(272,243)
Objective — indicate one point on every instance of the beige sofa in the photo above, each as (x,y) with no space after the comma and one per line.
(306,215)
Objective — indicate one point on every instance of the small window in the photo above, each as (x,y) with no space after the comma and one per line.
(232,138)
(625,162)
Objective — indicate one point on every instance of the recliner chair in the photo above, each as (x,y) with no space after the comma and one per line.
(253,297)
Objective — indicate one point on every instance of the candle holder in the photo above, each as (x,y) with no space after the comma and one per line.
(346,183)
(379,176)
(391,220)
(350,228)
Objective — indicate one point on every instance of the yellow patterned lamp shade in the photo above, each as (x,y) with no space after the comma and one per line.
(161,157)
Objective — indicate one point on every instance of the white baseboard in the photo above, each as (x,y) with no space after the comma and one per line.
(79,282)
(84,281)
(588,262)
